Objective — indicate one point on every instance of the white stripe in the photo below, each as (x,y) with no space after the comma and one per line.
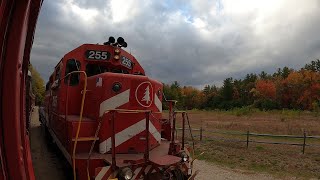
(115,101)
(154,132)
(129,132)
(136,172)
(157,102)
(102,172)
(103,147)
(147,169)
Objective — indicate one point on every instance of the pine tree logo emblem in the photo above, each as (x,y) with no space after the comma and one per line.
(144,94)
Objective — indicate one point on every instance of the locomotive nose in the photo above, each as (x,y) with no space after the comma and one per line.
(129,92)
(134,93)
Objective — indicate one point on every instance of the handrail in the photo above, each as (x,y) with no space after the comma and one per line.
(99,126)
(193,147)
(185,117)
(126,110)
(80,118)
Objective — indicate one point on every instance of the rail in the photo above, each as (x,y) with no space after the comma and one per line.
(207,134)
(80,118)
(185,118)
(172,115)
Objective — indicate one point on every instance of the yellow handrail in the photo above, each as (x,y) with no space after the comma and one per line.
(80,119)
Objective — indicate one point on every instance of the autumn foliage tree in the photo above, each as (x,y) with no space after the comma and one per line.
(266,89)
(265,94)
(286,88)
(38,87)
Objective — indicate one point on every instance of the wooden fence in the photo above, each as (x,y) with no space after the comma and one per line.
(208,135)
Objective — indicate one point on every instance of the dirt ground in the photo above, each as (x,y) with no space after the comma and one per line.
(48,163)
(209,171)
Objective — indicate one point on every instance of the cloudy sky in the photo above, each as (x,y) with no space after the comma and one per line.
(195,42)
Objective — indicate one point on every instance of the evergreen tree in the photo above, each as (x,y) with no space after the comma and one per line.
(227,89)
(313,66)
(263,75)
(285,72)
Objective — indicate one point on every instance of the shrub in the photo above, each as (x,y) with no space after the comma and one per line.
(243,111)
(266,104)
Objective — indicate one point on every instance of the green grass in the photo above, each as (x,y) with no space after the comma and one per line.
(259,148)
(250,110)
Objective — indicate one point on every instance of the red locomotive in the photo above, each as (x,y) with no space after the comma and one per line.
(105,115)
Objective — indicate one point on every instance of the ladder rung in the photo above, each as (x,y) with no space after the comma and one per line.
(85,139)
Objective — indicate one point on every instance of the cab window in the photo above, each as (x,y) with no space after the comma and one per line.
(57,77)
(94,69)
(72,65)
(57,73)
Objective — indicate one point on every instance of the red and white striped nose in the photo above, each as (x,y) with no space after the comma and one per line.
(130,130)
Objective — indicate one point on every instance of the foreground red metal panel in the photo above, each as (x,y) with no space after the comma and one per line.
(17,20)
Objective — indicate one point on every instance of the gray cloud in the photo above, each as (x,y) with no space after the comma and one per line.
(195,43)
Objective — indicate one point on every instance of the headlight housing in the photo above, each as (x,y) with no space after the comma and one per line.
(184,157)
(117,51)
(116,87)
(126,173)
(116,57)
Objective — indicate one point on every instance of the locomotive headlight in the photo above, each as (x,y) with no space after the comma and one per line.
(184,157)
(126,173)
(117,51)
(116,87)
(116,57)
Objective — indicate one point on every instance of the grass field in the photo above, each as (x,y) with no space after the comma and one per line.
(279,160)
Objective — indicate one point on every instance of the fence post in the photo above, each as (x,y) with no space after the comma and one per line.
(201,133)
(304,142)
(248,139)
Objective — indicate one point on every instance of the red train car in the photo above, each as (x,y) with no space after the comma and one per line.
(105,115)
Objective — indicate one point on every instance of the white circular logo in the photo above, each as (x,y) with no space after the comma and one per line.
(144,94)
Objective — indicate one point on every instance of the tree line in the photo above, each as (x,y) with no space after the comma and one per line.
(38,87)
(286,88)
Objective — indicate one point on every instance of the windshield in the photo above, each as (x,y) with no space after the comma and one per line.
(94,69)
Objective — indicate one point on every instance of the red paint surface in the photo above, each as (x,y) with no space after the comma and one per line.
(17,19)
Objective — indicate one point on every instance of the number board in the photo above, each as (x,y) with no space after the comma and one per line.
(97,55)
(126,62)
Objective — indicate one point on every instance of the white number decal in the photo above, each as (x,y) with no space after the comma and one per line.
(91,55)
(104,55)
(98,55)
(126,62)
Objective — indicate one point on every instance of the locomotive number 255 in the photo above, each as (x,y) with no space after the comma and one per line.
(97,55)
